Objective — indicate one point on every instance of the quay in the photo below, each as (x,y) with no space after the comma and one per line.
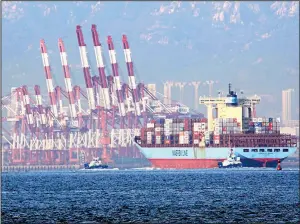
(39,168)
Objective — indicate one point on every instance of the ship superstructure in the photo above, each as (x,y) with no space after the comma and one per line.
(203,143)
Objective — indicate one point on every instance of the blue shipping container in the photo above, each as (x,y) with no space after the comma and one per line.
(258,124)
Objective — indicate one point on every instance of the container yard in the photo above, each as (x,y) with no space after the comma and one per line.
(72,125)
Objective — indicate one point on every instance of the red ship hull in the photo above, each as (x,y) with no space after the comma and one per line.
(185,163)
(208,163)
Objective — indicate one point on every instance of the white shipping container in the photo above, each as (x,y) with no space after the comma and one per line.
(217,132)
(157,129)
(217,142)
(196,141)
(259,119)
(158,141)
(168,121)
(150,125)
(149,142)
(196,129)
(254,119)
(217,129)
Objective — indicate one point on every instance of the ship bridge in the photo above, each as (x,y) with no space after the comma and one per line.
(229,107)
(245,102)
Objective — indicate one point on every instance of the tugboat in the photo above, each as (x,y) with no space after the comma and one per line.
(231,161)
(95,164)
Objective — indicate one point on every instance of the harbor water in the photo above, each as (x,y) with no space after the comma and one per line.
(151,196)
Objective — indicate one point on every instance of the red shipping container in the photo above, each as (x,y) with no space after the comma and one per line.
(203,120)
(157,133)
(186,124)
(224,129)
(234,120)
(216,137)
(251,123)
(196,132)
(270,124)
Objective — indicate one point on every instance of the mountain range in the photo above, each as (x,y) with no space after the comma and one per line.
(253,45)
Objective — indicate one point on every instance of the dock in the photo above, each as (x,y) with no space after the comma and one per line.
(39,168)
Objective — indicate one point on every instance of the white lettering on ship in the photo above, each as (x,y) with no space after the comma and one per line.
(180,152)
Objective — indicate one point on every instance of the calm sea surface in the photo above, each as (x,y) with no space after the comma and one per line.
(130,196)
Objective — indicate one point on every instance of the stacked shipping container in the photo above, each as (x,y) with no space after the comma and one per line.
(170,132)
(174,131)
(264,125)
(224,126)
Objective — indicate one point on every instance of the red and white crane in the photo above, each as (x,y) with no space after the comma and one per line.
(59,102)
(26,101)
(48,78)
(86,68)
(117,82)
(132,83)
(68,82)
(39,104)
(101,67)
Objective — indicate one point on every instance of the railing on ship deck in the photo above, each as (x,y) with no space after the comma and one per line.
(237,140)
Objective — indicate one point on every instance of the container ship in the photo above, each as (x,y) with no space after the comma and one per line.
(187,143)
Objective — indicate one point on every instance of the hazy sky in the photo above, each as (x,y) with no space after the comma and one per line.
(255,46)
